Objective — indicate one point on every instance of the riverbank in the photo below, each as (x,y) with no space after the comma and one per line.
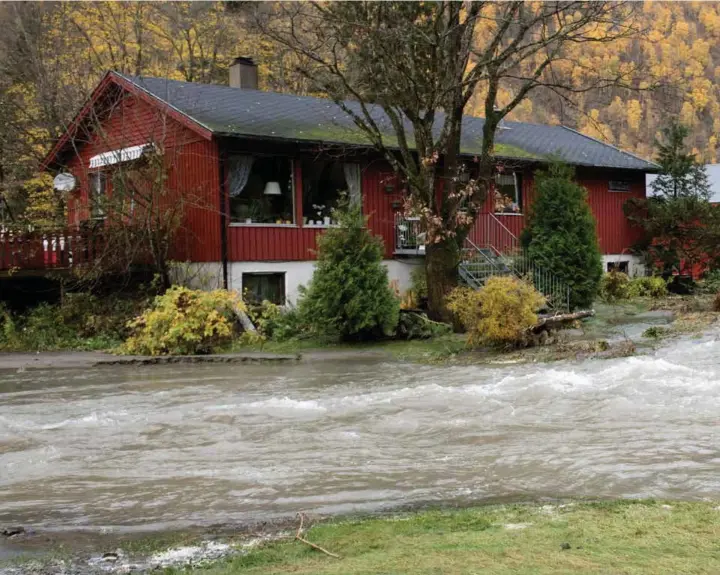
(622,536)
(616,330)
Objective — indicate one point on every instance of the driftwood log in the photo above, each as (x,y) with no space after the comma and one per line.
(549,322)
(245,320)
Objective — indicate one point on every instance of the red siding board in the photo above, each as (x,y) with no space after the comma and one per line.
(615,233)
(192,167)
(380,190)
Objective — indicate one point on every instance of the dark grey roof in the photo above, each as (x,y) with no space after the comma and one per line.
(253,113)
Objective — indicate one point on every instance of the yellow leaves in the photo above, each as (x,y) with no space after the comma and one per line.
(687,114)
(677,52)
(700,93)
(682,29)
(43,208)
(711,153)
(595,128)
(634,114)
(710,19)
(500,313)
(184,321)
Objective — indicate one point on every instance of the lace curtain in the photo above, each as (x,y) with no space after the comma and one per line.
(353,179)
(239,168)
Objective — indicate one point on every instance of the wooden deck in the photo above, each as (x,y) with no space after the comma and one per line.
(38,253)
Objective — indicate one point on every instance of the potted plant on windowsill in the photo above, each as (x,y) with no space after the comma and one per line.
(320,211)
(254,214)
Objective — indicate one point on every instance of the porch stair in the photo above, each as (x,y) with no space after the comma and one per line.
(493,250)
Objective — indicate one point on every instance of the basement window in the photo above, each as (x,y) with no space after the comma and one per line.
(508,194)
(260,287)
(618,267)
(261,190)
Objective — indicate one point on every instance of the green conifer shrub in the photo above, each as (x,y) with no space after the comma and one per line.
(561,234)
(349,296)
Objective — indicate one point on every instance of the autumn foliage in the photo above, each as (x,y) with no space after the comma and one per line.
(499,314)
(184,321)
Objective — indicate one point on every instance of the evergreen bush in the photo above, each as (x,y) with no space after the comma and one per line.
(561,234)
(349,296)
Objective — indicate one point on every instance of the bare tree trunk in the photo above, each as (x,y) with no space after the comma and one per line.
(441,262)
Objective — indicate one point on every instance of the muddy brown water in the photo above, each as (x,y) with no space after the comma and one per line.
(168,447)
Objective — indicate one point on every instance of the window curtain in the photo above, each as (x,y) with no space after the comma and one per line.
(505,179)
(239,168)
(353,179)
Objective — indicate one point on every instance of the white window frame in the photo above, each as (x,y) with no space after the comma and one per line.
(282,273)
(518,198)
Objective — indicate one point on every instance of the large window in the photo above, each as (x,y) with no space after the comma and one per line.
(260,287)
(324,181)
(508,194)
(260,190)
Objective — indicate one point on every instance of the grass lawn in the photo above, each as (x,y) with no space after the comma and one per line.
(615,537)
(434,349)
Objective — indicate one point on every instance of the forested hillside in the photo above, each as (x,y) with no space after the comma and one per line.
(679,54)
(52,54)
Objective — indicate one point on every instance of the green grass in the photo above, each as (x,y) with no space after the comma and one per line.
(587,538)
(419,350)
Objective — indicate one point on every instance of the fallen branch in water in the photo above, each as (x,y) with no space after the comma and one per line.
(552,320)
(299,537)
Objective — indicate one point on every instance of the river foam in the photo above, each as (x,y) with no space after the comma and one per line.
(183,445)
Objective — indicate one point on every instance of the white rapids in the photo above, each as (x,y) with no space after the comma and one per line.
(174,446)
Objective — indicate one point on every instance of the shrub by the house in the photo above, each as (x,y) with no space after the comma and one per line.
(615,286)
(183,322)
(499,314)
(349,296)
(561,234)
(650,286)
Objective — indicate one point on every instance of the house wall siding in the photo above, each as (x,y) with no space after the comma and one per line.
(194,173)
(192,168)
(616,234)
(298,243)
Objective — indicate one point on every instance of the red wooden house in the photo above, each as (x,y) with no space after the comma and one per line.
(266,168)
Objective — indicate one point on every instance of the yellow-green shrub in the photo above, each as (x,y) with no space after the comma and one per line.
(651,286)
(499,314)
(184,321)
(614,286)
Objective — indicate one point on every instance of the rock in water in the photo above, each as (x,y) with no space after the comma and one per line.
(12,531)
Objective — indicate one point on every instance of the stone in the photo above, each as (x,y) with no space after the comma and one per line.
(110,557)
(565,546)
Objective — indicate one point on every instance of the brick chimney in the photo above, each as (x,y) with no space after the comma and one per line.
(244,74)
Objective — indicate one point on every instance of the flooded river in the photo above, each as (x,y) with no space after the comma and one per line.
(174,446)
